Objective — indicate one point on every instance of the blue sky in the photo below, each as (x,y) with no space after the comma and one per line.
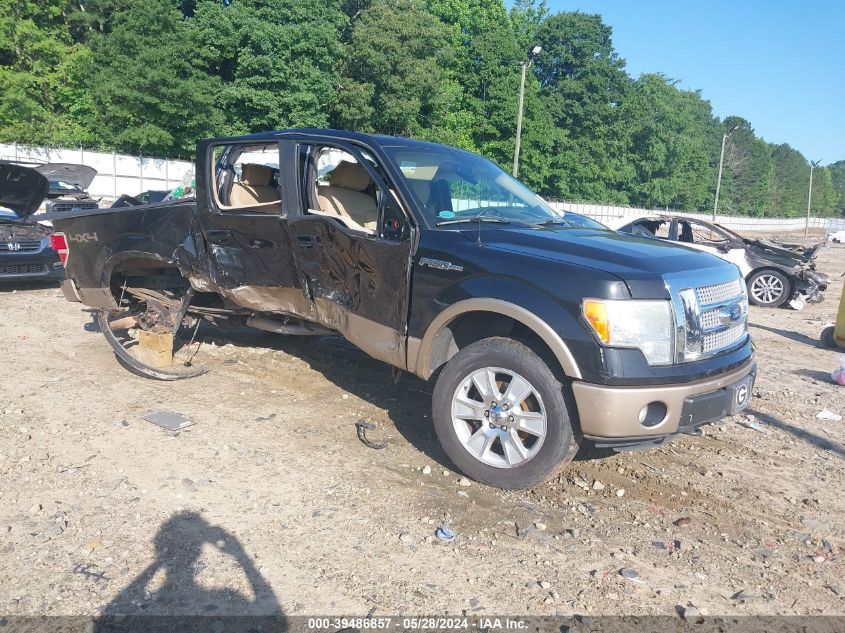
(779,64)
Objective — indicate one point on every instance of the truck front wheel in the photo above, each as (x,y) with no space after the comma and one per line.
(502,416)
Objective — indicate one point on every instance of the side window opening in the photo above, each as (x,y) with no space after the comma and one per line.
(704,234)
(247,178)
(650,228)
(338,185)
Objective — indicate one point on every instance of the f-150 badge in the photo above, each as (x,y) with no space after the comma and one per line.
(439,264)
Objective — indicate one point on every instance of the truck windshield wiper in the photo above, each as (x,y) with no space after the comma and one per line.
(476,218)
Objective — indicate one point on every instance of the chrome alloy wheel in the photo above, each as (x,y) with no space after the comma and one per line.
(499,417)
(767,288)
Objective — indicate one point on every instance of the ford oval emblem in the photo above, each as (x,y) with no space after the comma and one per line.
(730,313)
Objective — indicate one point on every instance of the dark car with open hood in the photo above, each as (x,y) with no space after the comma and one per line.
(68,186)
(26,251)
(535,332)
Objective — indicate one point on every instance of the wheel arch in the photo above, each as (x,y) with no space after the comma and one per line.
(470,320)
(134,261)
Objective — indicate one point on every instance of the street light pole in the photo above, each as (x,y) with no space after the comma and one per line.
(523,69)
(721,161)
(813,165)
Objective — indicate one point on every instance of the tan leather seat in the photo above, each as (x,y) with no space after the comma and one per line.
(254,188)
(344,197)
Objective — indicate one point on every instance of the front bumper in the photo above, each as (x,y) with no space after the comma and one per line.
(29,267)
(611,415)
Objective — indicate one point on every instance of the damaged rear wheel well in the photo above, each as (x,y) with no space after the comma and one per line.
(146,273)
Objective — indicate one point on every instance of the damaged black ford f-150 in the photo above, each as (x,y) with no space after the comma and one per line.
(537,333)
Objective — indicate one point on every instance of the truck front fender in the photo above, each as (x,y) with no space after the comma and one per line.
(554,321)
(420,350)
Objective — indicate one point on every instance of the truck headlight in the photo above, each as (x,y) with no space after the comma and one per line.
(645,325)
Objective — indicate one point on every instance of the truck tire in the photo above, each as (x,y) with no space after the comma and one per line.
(768,288)
(502,416)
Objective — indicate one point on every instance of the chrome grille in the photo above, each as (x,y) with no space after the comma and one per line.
(710,319)
(59,206)
(23,246)
(719,293)
(723,338)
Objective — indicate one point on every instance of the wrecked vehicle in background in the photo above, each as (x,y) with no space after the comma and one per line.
(145,197)
(68,186)
(26,252)
(774,272)
(535,332)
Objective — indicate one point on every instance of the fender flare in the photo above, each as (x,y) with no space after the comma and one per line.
(419,351)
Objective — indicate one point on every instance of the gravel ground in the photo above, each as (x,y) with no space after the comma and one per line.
(270,503)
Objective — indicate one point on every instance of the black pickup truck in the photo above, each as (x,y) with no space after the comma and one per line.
(537,332)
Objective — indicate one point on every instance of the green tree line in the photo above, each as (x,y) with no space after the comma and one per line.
(153,76)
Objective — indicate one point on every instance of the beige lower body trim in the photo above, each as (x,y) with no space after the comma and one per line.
(413,352)
(381,342)
(70,291)
(614,411)
(96,297)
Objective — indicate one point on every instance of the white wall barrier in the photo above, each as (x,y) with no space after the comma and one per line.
(117,174)
(604,213)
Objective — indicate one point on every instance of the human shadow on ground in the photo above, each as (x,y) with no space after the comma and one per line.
(811,438)
(178,602)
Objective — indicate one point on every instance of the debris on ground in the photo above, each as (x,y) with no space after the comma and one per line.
(751,423)
(445,533)
(825,414)
(362,427)
(838,374)
(168,420)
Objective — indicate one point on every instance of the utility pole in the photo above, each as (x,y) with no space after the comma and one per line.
(813,165)
(721,162)
(523,69)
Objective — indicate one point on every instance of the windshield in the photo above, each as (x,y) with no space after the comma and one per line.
(450,184)
(8,214)
(64,186)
